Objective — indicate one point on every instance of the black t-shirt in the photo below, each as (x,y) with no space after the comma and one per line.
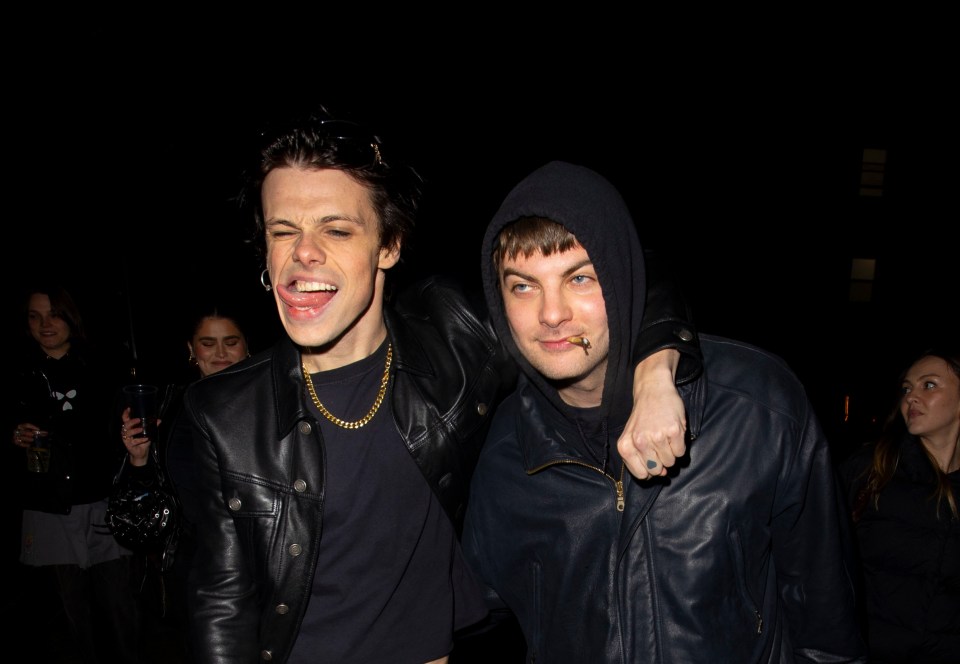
(390,583)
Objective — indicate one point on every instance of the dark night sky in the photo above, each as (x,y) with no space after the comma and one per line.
(751,192)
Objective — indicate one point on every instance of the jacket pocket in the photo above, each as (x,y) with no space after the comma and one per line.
(536,618)
(752,615)
(255,508)
(245,498)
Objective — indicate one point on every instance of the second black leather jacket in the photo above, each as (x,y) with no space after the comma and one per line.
(737,557)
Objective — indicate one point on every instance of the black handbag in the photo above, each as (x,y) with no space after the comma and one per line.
(143,511)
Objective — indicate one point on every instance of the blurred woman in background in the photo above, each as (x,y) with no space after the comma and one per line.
(63,391)
(903,492)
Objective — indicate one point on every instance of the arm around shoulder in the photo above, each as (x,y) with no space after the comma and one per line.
(667,354)
(668,322)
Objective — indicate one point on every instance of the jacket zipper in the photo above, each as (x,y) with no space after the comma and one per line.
(617,484)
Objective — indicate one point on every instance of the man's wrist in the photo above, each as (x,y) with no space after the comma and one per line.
(656,368)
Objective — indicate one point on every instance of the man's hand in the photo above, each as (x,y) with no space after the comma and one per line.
(654,436)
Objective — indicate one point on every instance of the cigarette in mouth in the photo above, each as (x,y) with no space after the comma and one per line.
(579,341)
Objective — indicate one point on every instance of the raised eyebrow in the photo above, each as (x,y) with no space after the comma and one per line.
(510,272)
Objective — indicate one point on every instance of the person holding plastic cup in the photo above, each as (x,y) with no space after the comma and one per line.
(63,394)
(215,341)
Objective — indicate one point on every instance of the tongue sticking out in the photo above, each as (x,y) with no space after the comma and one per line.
(313,300)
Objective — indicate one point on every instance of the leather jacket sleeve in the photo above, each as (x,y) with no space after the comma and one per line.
(667,322)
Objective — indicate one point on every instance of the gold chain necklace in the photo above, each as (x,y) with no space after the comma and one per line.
(376,404)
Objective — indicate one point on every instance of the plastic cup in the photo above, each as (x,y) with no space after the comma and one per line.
(38,454)
(144,403)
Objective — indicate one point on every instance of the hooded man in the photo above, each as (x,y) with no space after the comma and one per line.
(736,555)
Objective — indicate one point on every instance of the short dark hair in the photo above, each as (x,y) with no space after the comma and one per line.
(317,139)
(529,235)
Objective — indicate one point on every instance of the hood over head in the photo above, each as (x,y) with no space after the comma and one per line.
(589,206)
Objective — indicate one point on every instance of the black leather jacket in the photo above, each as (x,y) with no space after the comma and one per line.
(260,460)
(737,557)
(909,553)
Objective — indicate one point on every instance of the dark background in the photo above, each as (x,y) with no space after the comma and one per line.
(748,183)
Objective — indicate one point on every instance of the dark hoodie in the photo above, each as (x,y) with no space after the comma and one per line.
(594,211)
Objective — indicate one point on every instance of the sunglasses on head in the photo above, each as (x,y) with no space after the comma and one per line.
(353,134)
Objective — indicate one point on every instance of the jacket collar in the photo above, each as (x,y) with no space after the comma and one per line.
(546,436)
(409,354)
(288,386)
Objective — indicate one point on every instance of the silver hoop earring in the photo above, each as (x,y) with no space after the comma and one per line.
(264,277)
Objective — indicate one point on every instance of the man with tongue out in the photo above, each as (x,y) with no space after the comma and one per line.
(335,466)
